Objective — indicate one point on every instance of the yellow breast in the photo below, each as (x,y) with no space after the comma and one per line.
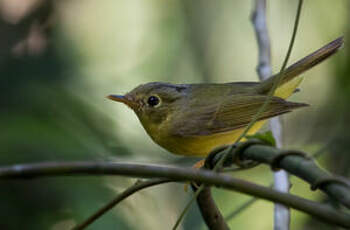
(203,145)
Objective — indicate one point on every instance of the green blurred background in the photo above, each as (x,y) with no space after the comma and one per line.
(59,59)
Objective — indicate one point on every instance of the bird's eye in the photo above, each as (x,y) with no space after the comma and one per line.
(153,101)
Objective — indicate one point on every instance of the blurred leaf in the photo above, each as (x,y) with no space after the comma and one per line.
(266,137)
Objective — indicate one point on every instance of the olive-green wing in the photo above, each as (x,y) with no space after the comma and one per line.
(234,112)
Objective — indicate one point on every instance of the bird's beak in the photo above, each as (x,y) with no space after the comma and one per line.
(123,99)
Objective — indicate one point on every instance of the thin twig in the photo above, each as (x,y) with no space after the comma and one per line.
(281,213)
(256,117)
(242,208)
(187,207)
(292,40)
(139,185)
(321,211)
(275,85)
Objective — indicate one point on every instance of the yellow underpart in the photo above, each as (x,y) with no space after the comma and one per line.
(203,145)
(287,89)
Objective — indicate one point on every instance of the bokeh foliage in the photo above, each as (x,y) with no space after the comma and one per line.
(59,59)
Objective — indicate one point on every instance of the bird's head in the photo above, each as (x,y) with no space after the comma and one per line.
(153,102)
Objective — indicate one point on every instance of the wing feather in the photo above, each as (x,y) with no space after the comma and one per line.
(234,112)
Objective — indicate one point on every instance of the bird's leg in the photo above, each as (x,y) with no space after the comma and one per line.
(197,165)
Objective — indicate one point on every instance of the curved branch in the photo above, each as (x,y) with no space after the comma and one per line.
(321,211)
(298,165)
(250,202)
(128,192)
(303,168)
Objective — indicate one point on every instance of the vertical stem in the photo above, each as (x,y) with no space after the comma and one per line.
(281,212)
(263,39)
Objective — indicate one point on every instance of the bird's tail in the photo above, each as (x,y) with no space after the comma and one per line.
(290,79)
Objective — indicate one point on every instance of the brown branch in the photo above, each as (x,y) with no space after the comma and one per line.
(210,213)
(321,211)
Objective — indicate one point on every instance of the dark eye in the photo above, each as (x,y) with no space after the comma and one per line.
(153,101)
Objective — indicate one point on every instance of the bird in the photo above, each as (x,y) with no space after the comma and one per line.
(195,119)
